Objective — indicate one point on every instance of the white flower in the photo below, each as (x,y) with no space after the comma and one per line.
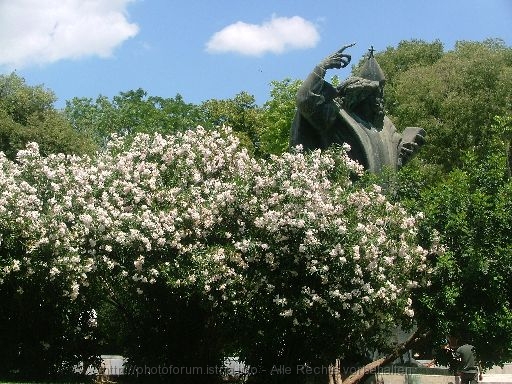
(139,263)
(282,301)
(15,265)
(93,319)
(287,313)
(74,290)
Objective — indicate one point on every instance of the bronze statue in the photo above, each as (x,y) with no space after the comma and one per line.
(352,113)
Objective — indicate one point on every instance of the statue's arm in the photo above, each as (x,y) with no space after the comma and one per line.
(315,99)
(315,96)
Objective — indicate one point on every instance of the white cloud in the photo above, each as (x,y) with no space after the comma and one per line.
(278,35)
(38,32)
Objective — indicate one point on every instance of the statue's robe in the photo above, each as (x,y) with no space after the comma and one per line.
(320,122)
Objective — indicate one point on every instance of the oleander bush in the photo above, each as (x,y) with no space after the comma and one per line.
(184,249)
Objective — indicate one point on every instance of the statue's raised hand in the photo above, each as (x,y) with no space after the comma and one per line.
(412,139)
(338,59)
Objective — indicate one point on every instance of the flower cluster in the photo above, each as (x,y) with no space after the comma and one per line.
(196,210)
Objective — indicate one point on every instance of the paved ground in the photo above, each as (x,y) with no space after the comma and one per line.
(498,375)
(113,365)
(497,378)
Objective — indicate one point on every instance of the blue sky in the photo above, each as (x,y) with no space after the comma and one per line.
(214,49)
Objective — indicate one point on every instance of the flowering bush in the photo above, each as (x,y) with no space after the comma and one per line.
(287,251)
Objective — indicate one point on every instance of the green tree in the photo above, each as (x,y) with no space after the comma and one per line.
(454,95)
(130,113)
(277,116)
(27,114)
(240,113)
(461,181)
(471,294)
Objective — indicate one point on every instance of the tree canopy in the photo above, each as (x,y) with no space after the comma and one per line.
(471,296)
(130,113)
(453,95)
(27,114)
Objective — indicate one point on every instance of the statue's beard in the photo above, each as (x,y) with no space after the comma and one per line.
(371,112)
(378,118)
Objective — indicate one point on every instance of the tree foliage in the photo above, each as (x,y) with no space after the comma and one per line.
(471,296)
(130,112)
(27,114)
(277,116)
(461,181)
(240,113)
(469,206)
(454,95)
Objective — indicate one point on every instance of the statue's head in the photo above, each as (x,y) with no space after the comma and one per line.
(364,98)
(363,94)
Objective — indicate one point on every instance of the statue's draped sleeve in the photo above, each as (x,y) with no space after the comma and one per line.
(315,100)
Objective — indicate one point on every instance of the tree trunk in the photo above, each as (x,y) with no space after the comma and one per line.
(335,373)
(373,367)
